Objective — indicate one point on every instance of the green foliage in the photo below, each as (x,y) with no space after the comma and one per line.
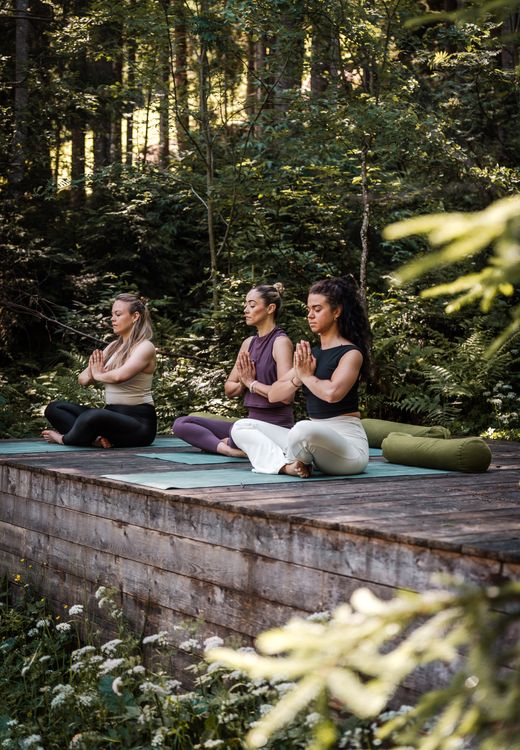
(59,692)
(435,369)
(370,646)
(461,236)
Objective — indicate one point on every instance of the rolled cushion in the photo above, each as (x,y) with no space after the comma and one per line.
(209,415)
(378,429)
(470,454)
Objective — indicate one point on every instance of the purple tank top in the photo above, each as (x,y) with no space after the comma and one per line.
(261,353)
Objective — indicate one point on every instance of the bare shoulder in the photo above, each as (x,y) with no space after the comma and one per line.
(145,348)
(246,343)
(282,344)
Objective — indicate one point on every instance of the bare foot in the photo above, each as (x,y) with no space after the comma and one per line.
(296,469)
(102,442)
(226,450)
(51,436)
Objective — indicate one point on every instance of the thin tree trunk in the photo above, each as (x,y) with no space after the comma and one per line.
(21,93)
(251,81)
(365,224)
(204,91)
(130,84)
(78,165)
(116,140)
(180,78)
(288,54)
(164,106)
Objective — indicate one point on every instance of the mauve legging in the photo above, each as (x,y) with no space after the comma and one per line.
(206,433)
(124,426)
(203,432)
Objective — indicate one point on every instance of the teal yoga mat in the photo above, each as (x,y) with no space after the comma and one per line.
(167,480)
(194,458)
(210,458)
(40,446)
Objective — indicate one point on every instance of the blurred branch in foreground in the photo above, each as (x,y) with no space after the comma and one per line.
(460,236)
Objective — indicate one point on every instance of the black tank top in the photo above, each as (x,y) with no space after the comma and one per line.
(327,361)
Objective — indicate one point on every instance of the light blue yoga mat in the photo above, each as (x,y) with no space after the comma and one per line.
(211,458)
(194,458)
(167,480)
(40,446)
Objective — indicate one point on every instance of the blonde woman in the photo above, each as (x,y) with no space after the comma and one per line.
(126,369)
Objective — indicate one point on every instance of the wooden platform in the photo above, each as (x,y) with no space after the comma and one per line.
(244,559)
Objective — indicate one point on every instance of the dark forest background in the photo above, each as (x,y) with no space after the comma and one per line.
(189,149)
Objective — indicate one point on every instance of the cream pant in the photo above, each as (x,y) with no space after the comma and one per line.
(337,445)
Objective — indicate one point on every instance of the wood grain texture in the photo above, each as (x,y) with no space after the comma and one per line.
(239,560)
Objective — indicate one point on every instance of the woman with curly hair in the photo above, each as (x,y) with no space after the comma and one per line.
(333,439)
(125,367)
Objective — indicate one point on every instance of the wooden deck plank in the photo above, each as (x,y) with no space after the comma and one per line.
(248,558)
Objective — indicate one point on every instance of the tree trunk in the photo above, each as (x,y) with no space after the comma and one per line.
(288,54)
(364,226)
(21,94)
(78,165)
(321,56)
(251,81)
(130,85)
(180,78)
(164,101)
(207,140)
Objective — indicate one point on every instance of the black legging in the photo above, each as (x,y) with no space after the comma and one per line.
(124,426)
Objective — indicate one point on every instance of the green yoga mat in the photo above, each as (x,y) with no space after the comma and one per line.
(40,446)
(210,458)
(194,458)
(166,480)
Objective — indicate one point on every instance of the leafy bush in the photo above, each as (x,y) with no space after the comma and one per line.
(57,692)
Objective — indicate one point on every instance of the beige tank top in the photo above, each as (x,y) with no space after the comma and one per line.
(137,390)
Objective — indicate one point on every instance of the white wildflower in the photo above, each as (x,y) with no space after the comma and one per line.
(319,616)
(151,687)
(117,684)
(11,723)
(260,690)
(44,658)
(63,627)
(173,685)
(159,638)
(30,741)
(102,591)
(25,670)
(312,719)
(109,664)
(32,632)
(158,738)
(42,623)
(110,646)
(87,699)
(213,642)
(138,669)
(95,659)
(188,645)
(236,674)
(76,609)
(213,743)
(265,708)
(62,692)
(81,652)
(284,687)
(213,667)
(246,650)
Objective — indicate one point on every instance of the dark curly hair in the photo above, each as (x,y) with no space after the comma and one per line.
(353,321)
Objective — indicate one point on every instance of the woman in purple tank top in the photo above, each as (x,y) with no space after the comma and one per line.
(262,360)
